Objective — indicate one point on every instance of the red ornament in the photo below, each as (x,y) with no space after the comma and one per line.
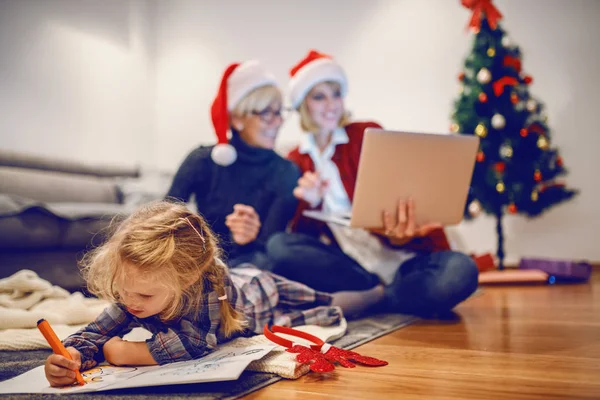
(528,79)
(480,156)
(498,86)
(514,62)
(559,161)
(512,208)
(483,97)
(523,132)
(514,98)
(461,76)
(500,167)
(537,176)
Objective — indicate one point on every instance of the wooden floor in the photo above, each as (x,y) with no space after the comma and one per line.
(513,343)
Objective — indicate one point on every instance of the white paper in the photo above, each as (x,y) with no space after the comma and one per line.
(222,365)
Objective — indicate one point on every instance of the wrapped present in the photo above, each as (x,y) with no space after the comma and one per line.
(559,270)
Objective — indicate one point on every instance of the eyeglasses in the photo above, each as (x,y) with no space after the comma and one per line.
(269,115)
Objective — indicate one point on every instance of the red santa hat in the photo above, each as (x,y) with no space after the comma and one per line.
(313,69)
(238,80)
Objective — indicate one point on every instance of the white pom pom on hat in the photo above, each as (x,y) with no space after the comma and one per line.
(238,80)
(314,68)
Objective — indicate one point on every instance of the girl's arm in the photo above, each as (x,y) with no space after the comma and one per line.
(120,352)
(89,341)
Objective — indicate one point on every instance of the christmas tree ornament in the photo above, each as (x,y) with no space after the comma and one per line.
(461,76)
(498,121)
(500,187)
(559,161)
(512,208)
(484,75)
(514,98)
(506,41)
(500,167)
(454,127)
(491,52)
(483,97)
(537,175)
(527,79)
(321,356)
(523,132)
(545,118)
(481,130)
(474,208)
(461,89)
(480,156)
(514,62)
(534,195)
(481,8)
(506,151)
(542,143)
(531,105)
(501,83)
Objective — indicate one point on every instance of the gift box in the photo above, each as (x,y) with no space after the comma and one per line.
(559,270)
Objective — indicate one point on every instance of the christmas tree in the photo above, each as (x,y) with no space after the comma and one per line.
(516,166)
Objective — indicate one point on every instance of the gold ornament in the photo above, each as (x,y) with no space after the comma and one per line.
(542,143)
(491,52)
(474,208)
(481,130)
(454,128)
(506,151)
(534,195)
(500,187)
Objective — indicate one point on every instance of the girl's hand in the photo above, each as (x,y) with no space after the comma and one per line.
(311,188)
(60,371)
(112,350)
(404,229)
(243,223)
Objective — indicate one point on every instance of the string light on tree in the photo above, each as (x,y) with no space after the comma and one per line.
(474,208)
(542,143)
(498,121)
(506,151)
(481,130)
(484,75)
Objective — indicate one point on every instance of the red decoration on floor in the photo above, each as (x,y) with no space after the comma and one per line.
(480,7)
(321,356)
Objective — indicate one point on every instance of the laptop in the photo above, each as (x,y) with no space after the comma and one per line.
(434,169)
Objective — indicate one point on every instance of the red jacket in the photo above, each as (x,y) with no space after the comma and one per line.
(346,158)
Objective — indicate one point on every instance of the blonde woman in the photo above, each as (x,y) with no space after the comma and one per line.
(242,187)
(420,273)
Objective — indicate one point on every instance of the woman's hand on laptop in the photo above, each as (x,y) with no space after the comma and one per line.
(404,229)
(311,188)
(244,224)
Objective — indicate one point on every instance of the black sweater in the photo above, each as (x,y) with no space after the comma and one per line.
(259,178)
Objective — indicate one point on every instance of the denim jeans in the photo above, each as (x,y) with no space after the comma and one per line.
(425,284)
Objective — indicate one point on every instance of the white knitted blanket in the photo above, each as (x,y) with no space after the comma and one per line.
(25,298)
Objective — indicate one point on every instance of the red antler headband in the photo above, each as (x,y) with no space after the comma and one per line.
(321,356)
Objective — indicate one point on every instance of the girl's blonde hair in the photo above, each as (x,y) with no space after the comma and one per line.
(167,241)
(308,124)
(257,100)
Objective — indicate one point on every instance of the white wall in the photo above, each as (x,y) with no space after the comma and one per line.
(402,59)
(75,79)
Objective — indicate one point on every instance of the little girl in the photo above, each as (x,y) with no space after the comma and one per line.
(162,271)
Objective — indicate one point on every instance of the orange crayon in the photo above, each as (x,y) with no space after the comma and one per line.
(56,344)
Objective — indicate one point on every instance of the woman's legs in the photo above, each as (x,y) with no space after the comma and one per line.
(305,259)
(357,302)
(433,283)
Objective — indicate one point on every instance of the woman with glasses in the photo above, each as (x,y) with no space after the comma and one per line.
(412,264)
(241,186)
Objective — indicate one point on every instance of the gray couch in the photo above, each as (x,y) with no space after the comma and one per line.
(52,210)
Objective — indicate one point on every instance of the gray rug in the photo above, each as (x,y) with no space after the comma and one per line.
(359,332)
